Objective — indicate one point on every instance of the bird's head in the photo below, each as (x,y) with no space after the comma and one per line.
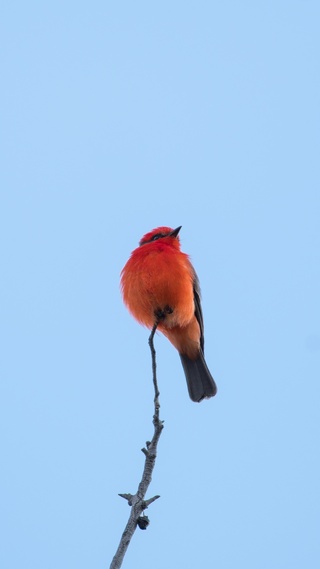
(166,234)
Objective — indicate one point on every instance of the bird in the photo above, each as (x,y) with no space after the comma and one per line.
(159,285)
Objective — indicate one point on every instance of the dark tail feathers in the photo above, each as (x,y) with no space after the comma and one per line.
(200,382)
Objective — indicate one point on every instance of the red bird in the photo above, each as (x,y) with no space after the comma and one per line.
(159,284)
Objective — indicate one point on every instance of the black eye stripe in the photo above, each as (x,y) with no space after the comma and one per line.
(154,238)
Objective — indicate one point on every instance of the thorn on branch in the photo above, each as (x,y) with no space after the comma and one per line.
(148,502)
(127,497)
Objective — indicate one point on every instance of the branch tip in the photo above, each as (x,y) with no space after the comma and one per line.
(127,497)
(148,502)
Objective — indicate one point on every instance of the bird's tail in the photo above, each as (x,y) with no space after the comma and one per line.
(200,382)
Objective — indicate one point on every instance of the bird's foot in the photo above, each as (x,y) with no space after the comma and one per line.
(161,313)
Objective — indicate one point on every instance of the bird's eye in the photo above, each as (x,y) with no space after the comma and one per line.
(153,238)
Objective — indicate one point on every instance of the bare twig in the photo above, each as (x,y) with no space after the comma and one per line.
(137,502)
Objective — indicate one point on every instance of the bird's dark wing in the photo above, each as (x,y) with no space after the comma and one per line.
(197,307)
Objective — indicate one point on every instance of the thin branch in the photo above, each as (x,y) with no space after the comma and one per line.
(137,502)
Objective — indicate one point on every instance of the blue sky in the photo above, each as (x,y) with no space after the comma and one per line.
(117,118)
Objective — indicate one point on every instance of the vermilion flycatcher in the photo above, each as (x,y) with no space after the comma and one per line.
(159,284)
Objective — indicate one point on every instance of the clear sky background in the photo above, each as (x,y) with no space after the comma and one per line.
(117,118)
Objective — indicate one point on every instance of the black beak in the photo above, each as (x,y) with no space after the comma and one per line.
(175,232)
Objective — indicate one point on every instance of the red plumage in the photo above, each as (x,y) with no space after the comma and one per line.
(159,283)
